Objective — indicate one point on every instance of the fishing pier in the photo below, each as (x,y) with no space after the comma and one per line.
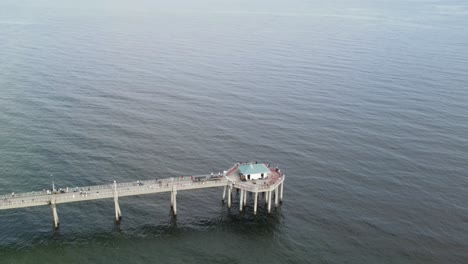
(245,178)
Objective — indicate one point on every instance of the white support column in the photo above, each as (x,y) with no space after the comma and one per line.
(118,213)
(255,203)
(54,212)
(172,198)
(266,197)
(245,197)
(241,201)
(229,196)
(276,196)
(224,192)
(281,192)
(174,207)
(269,201)
(172,192)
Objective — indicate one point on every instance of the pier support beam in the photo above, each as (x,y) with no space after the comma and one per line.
(174,200)
(118,213)
(54,212)
(255,203)
(276,196)
(229,196)
(241,202)
(269,201)
(266,196)
(245,197)
(281,192)
(224,193)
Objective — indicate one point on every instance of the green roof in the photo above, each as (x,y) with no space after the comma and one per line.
(253,169)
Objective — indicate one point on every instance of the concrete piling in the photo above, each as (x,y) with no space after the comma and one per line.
(174,200)
(245,197)
(241,202)
(255,203)
(118,213)
(276,196)
(269,201)
(281,192)
(229,196)
(224,192)
(54,212)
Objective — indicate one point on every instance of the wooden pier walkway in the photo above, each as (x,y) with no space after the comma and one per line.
(272,186)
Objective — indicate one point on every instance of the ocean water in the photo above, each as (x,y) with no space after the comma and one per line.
(363,104)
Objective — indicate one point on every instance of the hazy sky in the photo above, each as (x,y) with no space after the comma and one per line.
(453,6)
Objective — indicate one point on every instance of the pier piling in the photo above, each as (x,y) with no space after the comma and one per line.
(224,193)
(174,200)
(118,213)
(281,192)
(245,197)
(255,203)
(241,202)
(54,212)
(269,201)
(229,196)
(276,196)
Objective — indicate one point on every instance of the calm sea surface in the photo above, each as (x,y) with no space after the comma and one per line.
(364,105)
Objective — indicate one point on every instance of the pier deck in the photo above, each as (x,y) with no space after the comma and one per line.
(86,193)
